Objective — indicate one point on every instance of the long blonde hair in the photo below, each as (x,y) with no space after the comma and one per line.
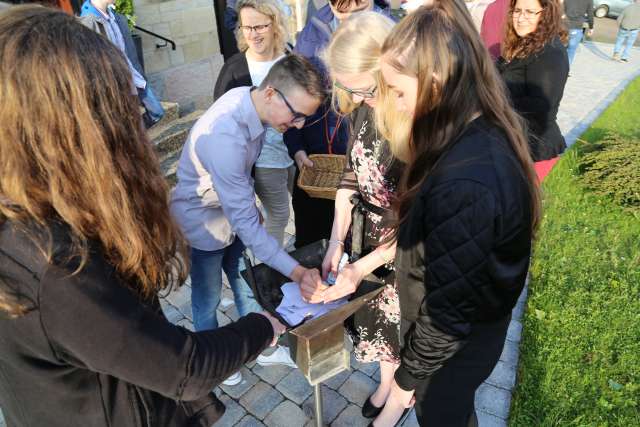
(271,10)
(353,50)
(441,40)
(73,150)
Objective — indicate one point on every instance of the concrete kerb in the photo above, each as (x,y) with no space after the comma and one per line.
(583,125)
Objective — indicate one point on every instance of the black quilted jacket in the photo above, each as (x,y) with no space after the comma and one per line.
(463,252)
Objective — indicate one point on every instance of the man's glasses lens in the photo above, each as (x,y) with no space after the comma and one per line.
(298,118)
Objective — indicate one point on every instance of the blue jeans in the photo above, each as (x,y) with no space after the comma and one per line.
(153,107)
(206,284)
(575,37)
(630,36)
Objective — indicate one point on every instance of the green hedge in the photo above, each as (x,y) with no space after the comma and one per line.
(611,168)
(125,7)
(580,351)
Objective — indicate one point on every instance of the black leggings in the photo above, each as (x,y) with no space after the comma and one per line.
(446,400)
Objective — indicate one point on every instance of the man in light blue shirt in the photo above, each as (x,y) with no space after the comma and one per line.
(214,201)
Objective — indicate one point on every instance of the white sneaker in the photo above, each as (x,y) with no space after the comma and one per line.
(234,379)
(226,302)
(279,357)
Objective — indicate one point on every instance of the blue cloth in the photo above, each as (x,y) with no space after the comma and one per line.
(214,200)
(575,37)
(206,284)
(630,37)
(151,104)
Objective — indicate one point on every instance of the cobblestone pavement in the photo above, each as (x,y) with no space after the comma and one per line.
(281,397)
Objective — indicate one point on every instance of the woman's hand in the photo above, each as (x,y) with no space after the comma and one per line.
(302,159)
(397,402)
(332,259)
(278,328)
(311,286)
(346,283)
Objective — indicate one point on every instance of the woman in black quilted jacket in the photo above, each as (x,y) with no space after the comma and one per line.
(468,206)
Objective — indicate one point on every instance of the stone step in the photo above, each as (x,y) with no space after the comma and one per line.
(171,137)
(169,166)
(171,112)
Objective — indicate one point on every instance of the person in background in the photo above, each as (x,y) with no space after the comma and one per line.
(477,9)
(214,200)
(575,14)
(326,132)
(99,15)
(371,177)
(468,205)
(87,245)
(493,26)
(629,27)
(262,40)
(535,66)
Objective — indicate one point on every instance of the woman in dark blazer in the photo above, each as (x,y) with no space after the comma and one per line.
(468,205)
(87,246)
(535,66)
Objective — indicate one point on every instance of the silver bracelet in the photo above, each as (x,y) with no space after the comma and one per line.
(340,242)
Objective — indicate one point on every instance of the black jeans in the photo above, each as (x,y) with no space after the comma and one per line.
(447,398)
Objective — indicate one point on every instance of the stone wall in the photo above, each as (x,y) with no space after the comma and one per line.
(186,75)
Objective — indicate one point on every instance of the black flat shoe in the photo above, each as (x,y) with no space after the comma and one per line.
(403,417)
(369,410)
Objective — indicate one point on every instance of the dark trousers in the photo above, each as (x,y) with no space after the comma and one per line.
(313,217)
(447,399)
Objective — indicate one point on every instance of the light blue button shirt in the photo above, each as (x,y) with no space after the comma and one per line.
(214,199)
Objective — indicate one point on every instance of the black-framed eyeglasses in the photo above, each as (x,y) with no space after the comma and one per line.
(257,28)
(527,14)
(368,94)
(297,117)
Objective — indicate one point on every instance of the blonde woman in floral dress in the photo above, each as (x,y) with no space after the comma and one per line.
(371,176)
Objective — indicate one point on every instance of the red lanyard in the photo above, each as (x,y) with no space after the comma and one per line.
(335,131)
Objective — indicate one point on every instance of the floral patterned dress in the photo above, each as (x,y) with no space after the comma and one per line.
(372,171)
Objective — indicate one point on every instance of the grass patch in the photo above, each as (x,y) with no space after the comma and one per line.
(580,352)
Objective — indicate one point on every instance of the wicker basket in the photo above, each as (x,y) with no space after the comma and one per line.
(321,181)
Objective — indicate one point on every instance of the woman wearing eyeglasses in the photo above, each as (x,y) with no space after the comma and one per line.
(262,40)
(535,67)
(370,180)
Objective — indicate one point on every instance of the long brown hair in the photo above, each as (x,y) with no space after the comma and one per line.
(73,149)
(439,45)
(549,26)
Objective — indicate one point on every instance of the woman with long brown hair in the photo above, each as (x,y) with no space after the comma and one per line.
(87,244)
(535,67)
(468,206)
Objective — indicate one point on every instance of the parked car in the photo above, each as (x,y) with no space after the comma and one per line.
(610,8)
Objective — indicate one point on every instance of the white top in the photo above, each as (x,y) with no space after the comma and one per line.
(274,153)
